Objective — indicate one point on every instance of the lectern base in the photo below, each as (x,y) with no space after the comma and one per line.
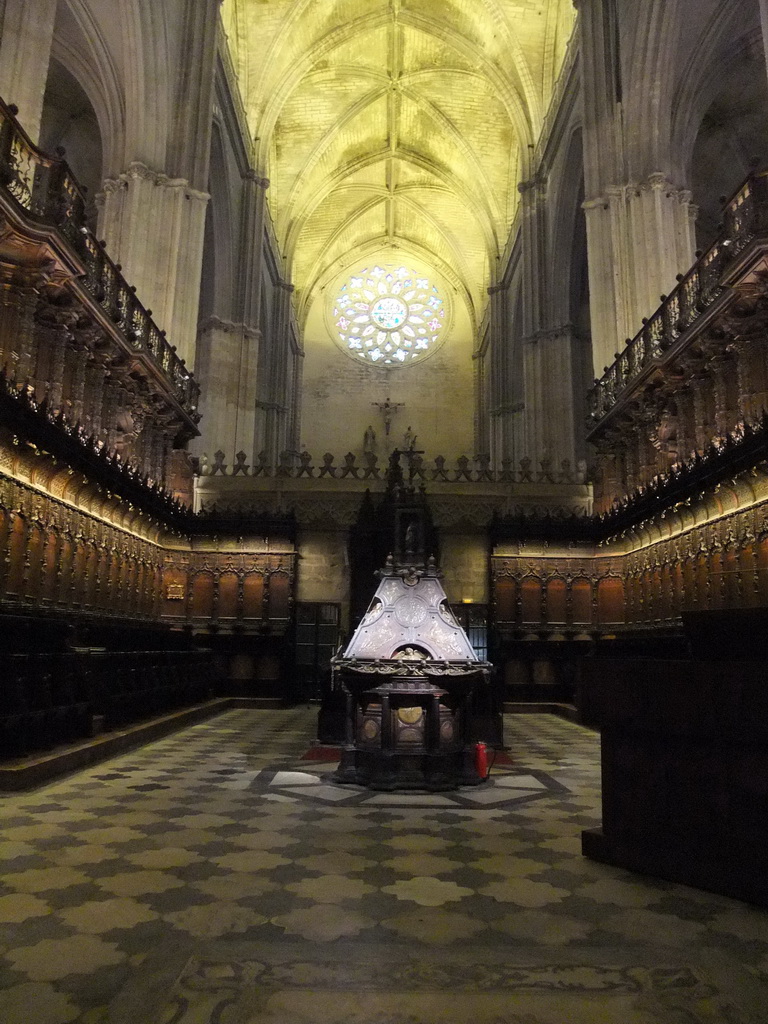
(396,770)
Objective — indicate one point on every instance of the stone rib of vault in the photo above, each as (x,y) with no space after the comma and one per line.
(409,618)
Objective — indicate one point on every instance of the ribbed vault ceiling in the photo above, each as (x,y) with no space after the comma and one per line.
(395,125)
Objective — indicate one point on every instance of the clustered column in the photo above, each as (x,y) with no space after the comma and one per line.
(25,51)
(639,227)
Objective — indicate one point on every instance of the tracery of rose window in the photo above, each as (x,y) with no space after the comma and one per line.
(389,316)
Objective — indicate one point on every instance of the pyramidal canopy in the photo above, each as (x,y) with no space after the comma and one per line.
(409,619)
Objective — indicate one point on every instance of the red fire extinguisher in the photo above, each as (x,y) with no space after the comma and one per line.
(481,760)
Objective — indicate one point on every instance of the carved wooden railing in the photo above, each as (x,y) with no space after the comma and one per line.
(745,218)
(54,434)
(44,187)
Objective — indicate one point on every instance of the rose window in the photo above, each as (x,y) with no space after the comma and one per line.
(390,316)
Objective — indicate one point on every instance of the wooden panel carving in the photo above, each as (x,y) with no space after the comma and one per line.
(682,561)
(280,594)
(610,600)
(57,556)
(505,598)
(253,593)
(531,600)
(581,600)
(202,595)
(228,586)
(16,555)
(557,601)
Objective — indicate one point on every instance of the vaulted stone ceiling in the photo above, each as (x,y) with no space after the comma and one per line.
(395,126)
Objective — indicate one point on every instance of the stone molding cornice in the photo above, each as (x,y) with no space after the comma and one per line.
(533,191)
(215,323)
(507,408)
(659,182)
(550,334)
(656,182)
(270,406)
(595,203)
(252,175)
(138,171)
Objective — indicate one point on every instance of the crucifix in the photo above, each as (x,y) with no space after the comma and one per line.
(387,410)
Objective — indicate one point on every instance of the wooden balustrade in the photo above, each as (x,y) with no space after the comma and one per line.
(77,347)
(745,219)
(45,190)
(690,391)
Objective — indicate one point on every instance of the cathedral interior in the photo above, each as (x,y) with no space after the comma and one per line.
(472,294)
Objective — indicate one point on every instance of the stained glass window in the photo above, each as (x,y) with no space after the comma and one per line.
(390,316)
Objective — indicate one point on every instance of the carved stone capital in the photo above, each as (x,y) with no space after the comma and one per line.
(255,177)
(535,188)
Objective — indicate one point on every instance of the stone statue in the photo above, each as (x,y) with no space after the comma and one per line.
(409,440)
(369,439)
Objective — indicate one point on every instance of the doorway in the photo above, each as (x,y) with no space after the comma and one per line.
(317,637)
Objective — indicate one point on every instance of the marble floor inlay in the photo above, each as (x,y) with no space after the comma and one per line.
(217,877)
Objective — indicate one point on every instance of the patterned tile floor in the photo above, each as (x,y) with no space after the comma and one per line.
(214,876)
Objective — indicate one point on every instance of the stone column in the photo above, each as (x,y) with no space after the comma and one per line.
(764,23)
(639,233)
(552,372)
(154,226)
(25,53)
(153,218)
(275,409)
(228,344)
(661,219)
(533,197)
(248,299)
(563,393)
(294,387)
(644,233)
(495,381)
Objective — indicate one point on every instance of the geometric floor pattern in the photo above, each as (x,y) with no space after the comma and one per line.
(209,878)
(506,788)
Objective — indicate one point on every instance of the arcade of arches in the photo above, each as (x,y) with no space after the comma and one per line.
(259,256)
